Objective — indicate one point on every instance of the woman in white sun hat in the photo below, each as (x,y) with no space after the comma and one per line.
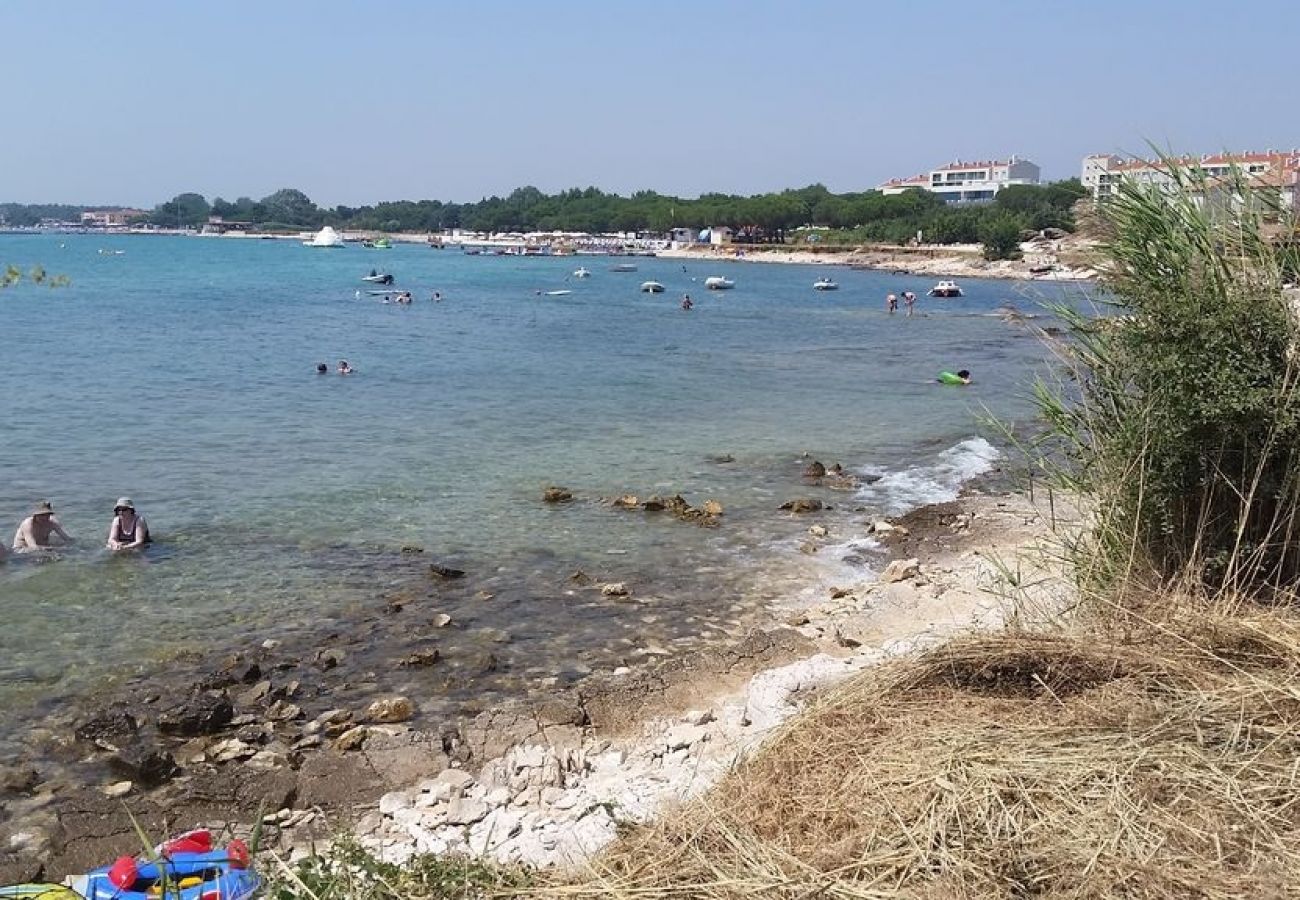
(128,531)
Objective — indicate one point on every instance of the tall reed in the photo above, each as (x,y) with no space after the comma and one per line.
(1177,416)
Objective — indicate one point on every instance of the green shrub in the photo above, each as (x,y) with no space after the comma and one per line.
(1178,420)
(1000,235)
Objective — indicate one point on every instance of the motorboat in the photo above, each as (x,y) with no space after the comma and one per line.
(651,287)
(623,267)
(945,289)
(825,284)
(582,272)
(378,278)
(718,283)
(559,293)
(326,237)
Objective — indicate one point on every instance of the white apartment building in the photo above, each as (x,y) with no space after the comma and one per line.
(1271,170)
(968,182)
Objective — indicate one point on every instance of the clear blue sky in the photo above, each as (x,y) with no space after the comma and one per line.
(132,102)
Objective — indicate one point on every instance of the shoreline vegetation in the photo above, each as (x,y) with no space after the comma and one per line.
(810,219)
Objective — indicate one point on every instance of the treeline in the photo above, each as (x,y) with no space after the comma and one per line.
(869,215)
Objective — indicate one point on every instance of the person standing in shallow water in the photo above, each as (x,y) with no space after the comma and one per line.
(128,531)
(891,303)
(35,531)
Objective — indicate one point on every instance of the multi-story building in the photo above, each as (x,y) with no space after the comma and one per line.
(1272,170)
(968,182)
(109,218)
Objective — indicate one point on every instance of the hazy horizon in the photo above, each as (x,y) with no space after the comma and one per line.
(352,104)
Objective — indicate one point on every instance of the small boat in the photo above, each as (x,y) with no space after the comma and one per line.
(582,272)
(381,244)
(395,292)
(376,278)
(561,293)
(326,237)
(651,287)
(718,283)
(825,284)
(185,868)
(623,267)
(945,289)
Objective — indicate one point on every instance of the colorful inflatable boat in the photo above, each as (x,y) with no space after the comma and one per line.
(185,868)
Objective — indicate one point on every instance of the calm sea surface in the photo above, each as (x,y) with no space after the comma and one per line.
(180,372)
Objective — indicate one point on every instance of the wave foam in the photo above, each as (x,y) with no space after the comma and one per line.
(899,492)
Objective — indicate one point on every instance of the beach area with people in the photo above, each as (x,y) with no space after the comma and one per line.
(327,615)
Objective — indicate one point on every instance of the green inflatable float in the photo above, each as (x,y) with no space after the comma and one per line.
(962,377)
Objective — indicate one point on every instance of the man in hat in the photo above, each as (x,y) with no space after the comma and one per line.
(35,531)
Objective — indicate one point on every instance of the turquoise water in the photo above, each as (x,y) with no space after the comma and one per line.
(181,373)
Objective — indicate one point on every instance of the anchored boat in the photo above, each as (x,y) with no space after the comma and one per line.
(718,283)
(945,289)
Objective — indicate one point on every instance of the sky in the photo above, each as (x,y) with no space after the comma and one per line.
(131,102)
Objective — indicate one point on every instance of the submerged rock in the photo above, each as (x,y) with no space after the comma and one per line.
(557,495)
(438,571)
(113,726)
(205,713)
(802,505)
(390,710)
(814,470)
(145,764)
(419,659)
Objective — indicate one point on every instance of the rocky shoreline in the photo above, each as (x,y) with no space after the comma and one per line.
(1060,258)
(282,731)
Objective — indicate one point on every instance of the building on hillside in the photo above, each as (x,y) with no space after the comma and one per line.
(1274,174)
(109,218)
(968,182)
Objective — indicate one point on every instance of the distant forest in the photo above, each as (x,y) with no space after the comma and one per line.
(865,216)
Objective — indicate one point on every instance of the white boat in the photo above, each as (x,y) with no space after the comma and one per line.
(582,272)
(651,287)
(561,293)
(326,237)
(825,284)
(718,283)
(378,278)
(945,289)
(623,267)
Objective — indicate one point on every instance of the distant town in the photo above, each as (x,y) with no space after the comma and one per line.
(714,219)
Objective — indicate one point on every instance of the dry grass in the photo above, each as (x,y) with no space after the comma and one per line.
(1159,757)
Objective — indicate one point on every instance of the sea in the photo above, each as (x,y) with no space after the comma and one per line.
(181,372)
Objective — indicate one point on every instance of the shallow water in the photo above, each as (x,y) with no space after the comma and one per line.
(181,373)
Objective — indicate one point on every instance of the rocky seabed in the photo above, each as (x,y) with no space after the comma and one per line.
(557,806)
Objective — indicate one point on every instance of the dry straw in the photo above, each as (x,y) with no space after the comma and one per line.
(1160,764)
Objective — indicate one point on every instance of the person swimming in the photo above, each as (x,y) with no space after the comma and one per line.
(344,368)
(321,368)
(35,531)
(128,530)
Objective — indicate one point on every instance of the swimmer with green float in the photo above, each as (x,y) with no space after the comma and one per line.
(962,377)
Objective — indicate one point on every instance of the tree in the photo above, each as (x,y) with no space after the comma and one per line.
(182,211)
(1000,235)
(292,207)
